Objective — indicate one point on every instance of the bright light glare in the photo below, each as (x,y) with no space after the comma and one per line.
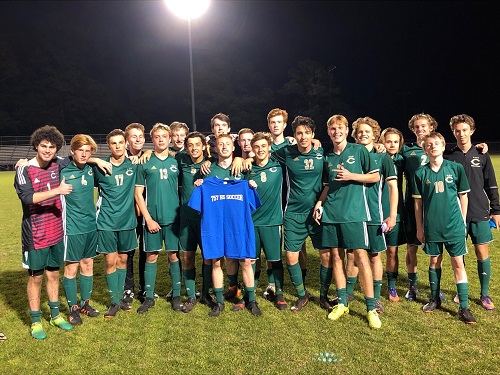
(188,9)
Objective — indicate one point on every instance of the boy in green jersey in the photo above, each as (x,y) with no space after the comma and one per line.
(80,228)
(159,177)
(440,191)
(190,162)
(116,219)
(393,141)
(134,135)
(304,168)
(179,131)
(343,214)
(268,218)
(366,131)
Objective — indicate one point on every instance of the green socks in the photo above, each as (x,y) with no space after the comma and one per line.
(463,294)
(325,279)
(189,282)
(175,275)
(435,282)
(150,270)
(112,281)
(484,272)
(296,277)
(351,282)
(54,309)
(69,286)
(86,285)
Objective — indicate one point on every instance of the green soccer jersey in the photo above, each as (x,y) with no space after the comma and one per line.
(78,207)
(116,205)
(414,157)
(268,179)
(443,221)
(189,173)
(161,181)
(275,147)
(398,162)
(385,166)
(304,176)
(346,201)
(223,173)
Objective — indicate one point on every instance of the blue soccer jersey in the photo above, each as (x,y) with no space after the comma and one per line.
(226,208)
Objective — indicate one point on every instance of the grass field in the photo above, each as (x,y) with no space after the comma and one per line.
(165,342)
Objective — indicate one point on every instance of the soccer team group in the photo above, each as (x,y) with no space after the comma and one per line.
(348,200)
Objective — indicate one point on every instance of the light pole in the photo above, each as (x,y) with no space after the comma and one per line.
(189,9)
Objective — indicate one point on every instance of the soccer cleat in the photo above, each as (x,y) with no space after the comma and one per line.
(217,308)
(280,302)
(411,294)
(88,310)
(232,292)
(254,308)
(338,311)
(392,294)
(125,306)
(60,322)
(37,331)
(238,306)
(141,296)
(373,319)
(148,302)
(207,300)
(177,304)
(349,297)
(324,303)
(299,304)
(379,308)
(431,306)
(486,302)
(189,305)
(74,315)
(112,311)
(270,292)
(128,296)
(466,316)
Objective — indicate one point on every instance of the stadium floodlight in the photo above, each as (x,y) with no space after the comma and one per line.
(189,9)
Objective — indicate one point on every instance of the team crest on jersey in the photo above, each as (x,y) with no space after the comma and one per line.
(273,169)
(475,162)
(129,172)
(238,177)
(193,170)
(90,173)
(53,175)
(319,156)
(173,168)
(351,160)
(449,178)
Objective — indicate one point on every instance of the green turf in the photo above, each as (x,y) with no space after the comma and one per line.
(163,341)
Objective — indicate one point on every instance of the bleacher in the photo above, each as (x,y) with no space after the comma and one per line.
(14,148)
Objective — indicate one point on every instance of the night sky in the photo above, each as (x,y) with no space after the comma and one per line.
(390,60)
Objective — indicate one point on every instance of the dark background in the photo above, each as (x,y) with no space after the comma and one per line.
(94,66)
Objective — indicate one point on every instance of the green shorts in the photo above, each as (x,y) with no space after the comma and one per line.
(52,256)
(168,234)
(268,239)
(297,228)
(345,235)
(396,236)
(112,241)
(376,239)
(479,232)
(455,249)
(80,246)
(189,235)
